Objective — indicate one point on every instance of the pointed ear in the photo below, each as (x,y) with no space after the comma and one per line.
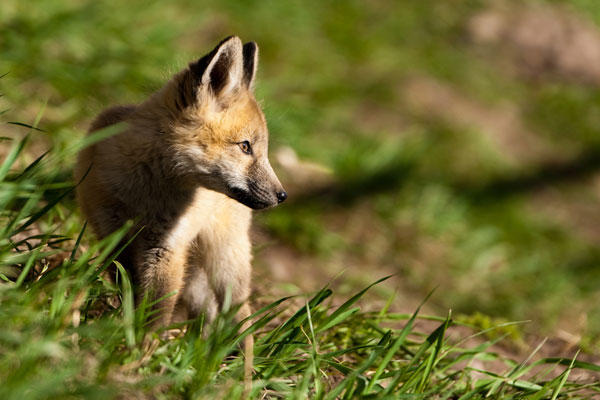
(250,63)
(220,72)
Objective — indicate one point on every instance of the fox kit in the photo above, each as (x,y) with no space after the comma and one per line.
(188,167)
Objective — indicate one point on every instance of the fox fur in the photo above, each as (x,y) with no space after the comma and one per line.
(188,167)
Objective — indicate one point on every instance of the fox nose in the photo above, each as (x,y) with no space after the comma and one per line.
(281,196)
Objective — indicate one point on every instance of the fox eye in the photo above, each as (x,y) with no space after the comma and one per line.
(245,146)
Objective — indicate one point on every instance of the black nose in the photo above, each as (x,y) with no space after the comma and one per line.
(281,196)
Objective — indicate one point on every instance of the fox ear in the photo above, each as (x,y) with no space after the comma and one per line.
(221,71)
(250,63)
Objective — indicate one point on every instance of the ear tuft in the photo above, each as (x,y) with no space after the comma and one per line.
(250,52)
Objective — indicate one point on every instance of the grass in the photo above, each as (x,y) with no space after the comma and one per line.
(71,333)
(436,200)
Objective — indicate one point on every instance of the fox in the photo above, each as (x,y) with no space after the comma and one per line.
(188,167)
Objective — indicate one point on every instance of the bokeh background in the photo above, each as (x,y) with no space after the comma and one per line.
(453,143)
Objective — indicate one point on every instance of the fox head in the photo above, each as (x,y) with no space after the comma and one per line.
(218,133)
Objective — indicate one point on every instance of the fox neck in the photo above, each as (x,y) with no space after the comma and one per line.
(153,168)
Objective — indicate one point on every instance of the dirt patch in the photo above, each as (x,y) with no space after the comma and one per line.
(379,119)
(542,41)
(575,206)
(502,124)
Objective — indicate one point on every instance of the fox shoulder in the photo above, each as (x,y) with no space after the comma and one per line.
(111,116)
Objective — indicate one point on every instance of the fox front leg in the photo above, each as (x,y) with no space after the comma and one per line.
(229,270)
(160,271)
(220,272)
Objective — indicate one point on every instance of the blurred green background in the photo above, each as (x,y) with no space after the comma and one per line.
(454,143)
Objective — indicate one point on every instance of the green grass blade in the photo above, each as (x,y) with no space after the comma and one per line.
(394,348)
(15,152)
(563,379)
(351,378)
(341,313)
(127,306)
(25,125)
